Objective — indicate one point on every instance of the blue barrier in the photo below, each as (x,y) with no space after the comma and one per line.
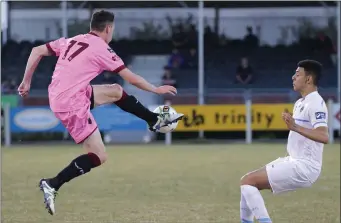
(42,119)
(112,118)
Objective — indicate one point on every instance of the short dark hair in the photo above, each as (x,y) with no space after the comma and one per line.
(312,68)
(101,19)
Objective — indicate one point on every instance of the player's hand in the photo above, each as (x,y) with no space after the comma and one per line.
(24,88)
(286,115)
(287,111)
(289,121)
(166,89)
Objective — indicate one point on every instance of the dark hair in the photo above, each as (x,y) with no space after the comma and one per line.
(101,19)
(312,68)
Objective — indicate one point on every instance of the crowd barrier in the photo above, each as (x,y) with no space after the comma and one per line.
(242,117)
(42,119)
(246,117)
(264,117)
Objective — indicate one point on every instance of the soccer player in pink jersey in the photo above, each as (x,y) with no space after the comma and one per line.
(71,97)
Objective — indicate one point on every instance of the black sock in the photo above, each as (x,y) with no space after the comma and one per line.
(81,165)
(130,104)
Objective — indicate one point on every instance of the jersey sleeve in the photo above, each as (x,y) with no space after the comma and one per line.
(318,115)
(110,61)
(55,46)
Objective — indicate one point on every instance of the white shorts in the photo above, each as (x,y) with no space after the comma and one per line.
(287,174)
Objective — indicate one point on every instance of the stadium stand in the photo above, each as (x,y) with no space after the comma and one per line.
(273,65)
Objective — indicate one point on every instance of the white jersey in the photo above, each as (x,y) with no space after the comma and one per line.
(309,112)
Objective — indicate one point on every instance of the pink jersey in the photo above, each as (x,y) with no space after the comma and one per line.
(81,59)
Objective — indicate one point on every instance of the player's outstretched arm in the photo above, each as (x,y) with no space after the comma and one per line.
(141,83)
(36,54)
(136,80)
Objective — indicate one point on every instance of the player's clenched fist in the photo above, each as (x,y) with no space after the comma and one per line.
(24,88)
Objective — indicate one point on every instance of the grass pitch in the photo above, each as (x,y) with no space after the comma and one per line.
(192,184)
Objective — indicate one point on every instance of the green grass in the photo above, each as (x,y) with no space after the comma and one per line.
(197,184)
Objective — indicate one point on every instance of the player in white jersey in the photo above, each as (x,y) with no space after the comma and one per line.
(302,165)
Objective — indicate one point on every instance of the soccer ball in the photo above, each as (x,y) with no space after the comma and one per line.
(163,111)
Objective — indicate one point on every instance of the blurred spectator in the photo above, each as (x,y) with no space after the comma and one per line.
(179,36)
(9,87)
(176,60)
(167,78)
(13,86)
(192,59)
(5,89)
(193,35)
(325,44)
(244,72)
(250,39)
(210,38)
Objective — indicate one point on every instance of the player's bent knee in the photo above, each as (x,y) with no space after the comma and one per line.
(258,179)
(116,87)
(116,91)
(247,180)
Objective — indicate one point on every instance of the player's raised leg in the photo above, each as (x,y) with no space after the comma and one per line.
(95,155)
(114,93)
(252,204)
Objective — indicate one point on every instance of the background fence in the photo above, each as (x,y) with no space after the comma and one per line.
(283,35)
(118,126)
